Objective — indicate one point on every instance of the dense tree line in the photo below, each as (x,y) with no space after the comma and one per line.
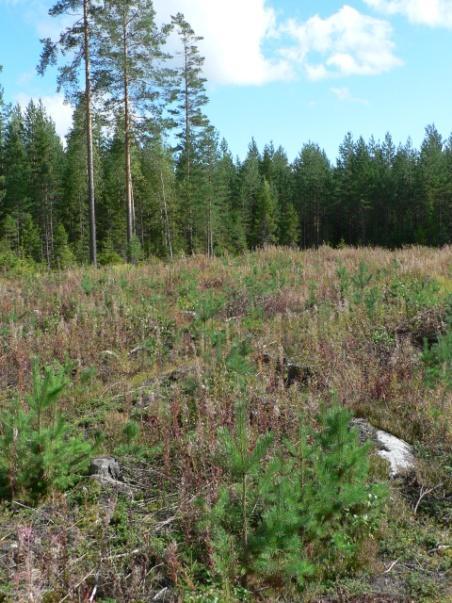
(143,172)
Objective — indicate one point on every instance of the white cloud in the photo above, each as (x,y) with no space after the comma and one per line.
(244,44)
(435,13)
(344,95)
(347,43)
(234,33)
(57,109)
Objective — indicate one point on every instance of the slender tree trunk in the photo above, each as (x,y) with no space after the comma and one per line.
(52,241)
(128,170)
(210,221)
(48,226)
(81,219)
(167,225)
(89,137)
(188,155)
(317,223)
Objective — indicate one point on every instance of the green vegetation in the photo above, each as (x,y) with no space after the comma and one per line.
(224,388)
(38,454)
(144,173)
(301,515)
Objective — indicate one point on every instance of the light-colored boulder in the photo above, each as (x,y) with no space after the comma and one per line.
(397,452)
(106,467)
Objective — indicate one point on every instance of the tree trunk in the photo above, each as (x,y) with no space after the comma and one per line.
(89,138)
(188,159)
(210,220)
(128,170)
(169,243)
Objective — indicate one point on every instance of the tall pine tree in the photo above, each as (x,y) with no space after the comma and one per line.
(131,74)
(190,99)
(76,41)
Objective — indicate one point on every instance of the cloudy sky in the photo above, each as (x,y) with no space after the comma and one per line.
(285,70)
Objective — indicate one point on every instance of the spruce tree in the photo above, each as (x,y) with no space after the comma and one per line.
(435,178)
(17,169)
(31,247)
(63,256)
(232,230)
(312,188)
(75,211)
(406,195)
(45,160)
(265,224)
(282,183)
(159,192)
(250,186)
(112,220)
(10,233)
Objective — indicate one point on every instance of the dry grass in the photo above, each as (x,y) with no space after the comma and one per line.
(152,344)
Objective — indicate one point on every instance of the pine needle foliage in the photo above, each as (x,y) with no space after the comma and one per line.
(296,514)
(38,452)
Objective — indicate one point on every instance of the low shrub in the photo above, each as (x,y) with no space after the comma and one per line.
(38,451)
(295,514)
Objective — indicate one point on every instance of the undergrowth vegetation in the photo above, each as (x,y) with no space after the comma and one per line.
(225,387)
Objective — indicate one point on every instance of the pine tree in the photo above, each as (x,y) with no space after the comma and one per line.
(211,193)
(406,194)
(130,69)
(343,178)
(362,188)
(3,120)
(444,211)
(76,41)
(283,514)
(190,99)
(38,452)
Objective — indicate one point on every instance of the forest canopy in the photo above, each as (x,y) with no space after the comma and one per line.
(143,171)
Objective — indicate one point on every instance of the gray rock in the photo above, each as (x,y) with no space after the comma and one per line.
(397,452)
(106,467)
(107,473)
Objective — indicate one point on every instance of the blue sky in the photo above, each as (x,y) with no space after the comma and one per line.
(289,71)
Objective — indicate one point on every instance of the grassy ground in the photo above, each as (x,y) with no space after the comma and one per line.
(149,351)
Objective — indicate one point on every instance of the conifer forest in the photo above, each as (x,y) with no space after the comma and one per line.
(222,379)
(144,173)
